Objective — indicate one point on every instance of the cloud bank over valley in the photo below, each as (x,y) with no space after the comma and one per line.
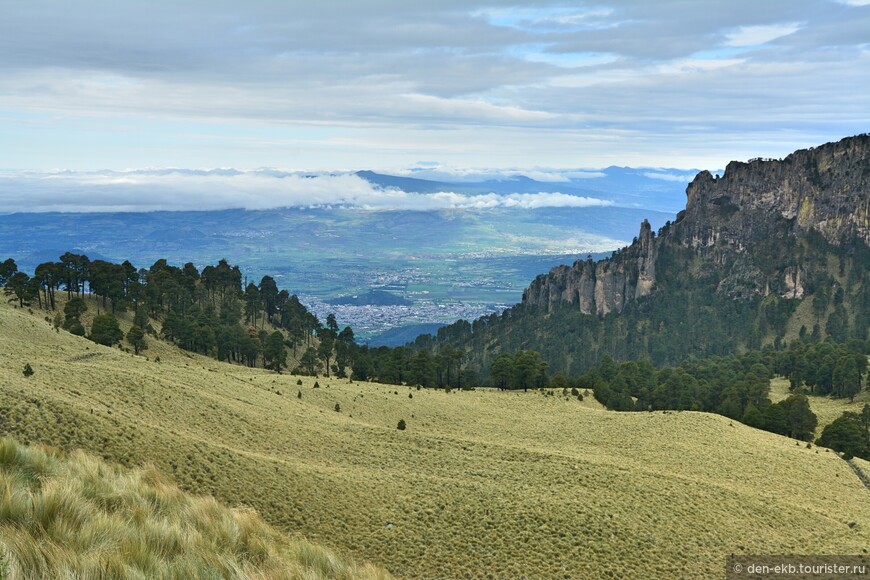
(195,190)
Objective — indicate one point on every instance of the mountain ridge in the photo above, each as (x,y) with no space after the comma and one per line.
(770,251)
(715,219)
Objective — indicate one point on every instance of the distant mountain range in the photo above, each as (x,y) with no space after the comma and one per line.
(657,189)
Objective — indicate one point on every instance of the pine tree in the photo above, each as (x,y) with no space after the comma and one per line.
(105,330)
(136,338)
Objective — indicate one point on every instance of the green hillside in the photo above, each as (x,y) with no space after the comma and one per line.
(768,252)
(480,484)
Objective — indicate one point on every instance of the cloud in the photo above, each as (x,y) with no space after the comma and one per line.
(755,35)
(449,200)
(336,84)
(195,190)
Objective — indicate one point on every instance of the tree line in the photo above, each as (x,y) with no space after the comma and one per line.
(701,306)
(211,312)
(737,387)
(825,368)
(217,313)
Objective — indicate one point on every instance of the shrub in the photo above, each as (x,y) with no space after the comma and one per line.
(76,328)
(299,395)
(28,370)
(848,435)
(401,426)
(105,330)
(337,408)
(299,381)
(316,385)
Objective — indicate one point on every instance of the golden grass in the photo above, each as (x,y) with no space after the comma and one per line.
(79,517)
(481,484)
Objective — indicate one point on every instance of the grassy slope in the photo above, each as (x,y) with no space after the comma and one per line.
(78,517)
(826,408)
(481,483)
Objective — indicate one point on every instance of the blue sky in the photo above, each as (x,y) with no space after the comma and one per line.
(385,84)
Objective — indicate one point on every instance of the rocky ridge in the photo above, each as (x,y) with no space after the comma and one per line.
(825,190)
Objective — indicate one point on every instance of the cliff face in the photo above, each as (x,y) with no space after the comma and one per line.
(601,287)
(825,190)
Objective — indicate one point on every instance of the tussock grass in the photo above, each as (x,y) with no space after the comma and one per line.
(481,484)
(79,517)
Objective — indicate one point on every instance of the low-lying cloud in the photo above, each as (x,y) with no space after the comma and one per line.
(199,190)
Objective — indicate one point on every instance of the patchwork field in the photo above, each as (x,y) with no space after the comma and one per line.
(480,484)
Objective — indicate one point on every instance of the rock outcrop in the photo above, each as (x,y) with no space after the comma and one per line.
(601,287)
(824,190)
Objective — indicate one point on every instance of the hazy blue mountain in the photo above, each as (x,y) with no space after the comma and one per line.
(648,188)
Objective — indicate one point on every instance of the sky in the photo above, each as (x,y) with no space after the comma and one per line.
(400,86)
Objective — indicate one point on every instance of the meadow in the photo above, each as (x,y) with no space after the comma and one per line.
(827,409)
(481,484)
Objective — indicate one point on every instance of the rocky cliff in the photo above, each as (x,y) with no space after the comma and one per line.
(824,190)
(601,287)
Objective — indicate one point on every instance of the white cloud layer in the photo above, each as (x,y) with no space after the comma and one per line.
(186,190)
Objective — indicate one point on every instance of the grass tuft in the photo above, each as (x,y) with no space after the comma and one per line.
(78,517)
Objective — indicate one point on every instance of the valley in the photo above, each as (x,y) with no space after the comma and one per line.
(459,264)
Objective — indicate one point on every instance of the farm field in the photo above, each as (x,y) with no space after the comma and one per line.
(479,484)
